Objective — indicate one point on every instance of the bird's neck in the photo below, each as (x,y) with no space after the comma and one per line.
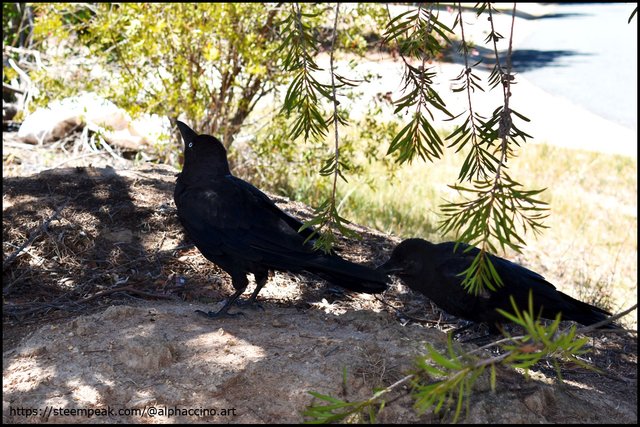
(193,177)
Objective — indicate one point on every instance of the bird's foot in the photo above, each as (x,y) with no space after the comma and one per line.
(250,303)
(218,314)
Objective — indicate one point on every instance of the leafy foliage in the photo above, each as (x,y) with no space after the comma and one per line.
(303,97)
(17,19)
(215,62)
(446,380)
(198,60)
(338,410)
(498,206)
(495,210)
(304,90)
(413,31)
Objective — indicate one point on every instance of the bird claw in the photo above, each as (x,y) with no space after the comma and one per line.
(218,314)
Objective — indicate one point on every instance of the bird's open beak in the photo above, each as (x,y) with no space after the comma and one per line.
(389,268)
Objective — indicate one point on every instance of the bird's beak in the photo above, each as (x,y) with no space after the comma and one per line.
(188,135)
(389,268)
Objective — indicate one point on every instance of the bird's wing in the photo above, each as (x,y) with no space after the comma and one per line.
(451,296)
(516,279)
(294,223)
(519,281)
(508,271)
(225,217)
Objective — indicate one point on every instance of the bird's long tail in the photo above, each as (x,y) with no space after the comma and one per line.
(587,314)
(348,275)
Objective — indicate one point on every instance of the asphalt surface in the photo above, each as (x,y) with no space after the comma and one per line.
(575,72)
(587,53)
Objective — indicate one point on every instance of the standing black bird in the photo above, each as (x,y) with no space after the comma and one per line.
(434,270)
(240,229)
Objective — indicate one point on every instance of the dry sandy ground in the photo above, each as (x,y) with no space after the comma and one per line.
(260,367)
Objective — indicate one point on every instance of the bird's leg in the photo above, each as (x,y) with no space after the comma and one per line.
(240,283)
(261,280)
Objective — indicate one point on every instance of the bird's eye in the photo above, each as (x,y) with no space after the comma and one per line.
(190,144)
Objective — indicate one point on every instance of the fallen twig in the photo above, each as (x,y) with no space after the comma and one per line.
(10,89)
(20,145)
(71,159)
(607,321)
(124,289)
(410,317)
(33,235)
(13,311)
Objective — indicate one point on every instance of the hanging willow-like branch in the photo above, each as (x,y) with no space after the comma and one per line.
(496,206)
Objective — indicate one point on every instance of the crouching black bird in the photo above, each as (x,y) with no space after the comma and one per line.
(434,270)
(240,229)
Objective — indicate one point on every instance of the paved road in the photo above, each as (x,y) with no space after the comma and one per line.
(576,81)
(586,53)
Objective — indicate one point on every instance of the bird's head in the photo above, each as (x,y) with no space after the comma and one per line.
(407,259)
(204,152)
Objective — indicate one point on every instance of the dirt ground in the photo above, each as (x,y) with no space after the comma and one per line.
(99,293)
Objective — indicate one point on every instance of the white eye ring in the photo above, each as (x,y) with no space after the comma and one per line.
(190,144)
